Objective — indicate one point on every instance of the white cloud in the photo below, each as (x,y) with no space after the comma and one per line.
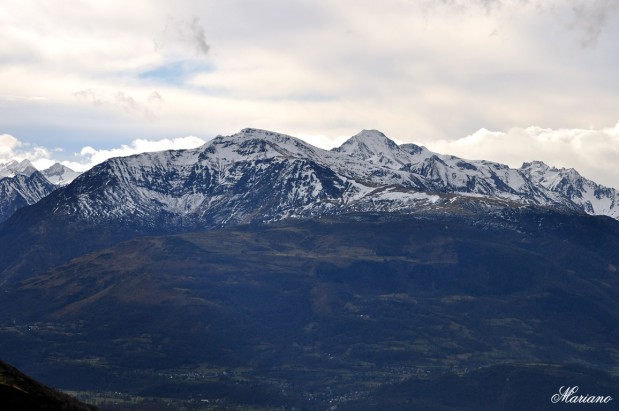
(12,148)
(8,144)
(323,141)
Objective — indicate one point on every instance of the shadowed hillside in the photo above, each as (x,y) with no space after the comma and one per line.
(18,392)
(308,313)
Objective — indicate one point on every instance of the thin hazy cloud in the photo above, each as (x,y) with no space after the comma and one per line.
(591,18)
(121,100)
(180,33)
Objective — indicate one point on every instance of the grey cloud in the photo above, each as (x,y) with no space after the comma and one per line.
(199,37)
(189,32)
(126,101)
(89,95)
(592,17)
(464,5)
(155,98)
(589,17)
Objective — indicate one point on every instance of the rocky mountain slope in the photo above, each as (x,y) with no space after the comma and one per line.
(21,187)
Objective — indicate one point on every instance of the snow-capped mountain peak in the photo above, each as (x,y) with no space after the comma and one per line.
(367,143)
(551,177)
(14,168)
(59,174)
(588,195)
(25,187)
(373,147)
(21,184)
(252,144)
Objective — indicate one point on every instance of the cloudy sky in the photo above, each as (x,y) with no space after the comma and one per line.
(503,80)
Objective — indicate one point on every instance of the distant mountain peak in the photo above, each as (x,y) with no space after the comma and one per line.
(374,147)
(534,164)
(264,135)
(586,194)
(60,174)
(373,140)
(56,168)
(14,168)
(258,132)
(253,143)
(22,189)
(372,134)
(543,167)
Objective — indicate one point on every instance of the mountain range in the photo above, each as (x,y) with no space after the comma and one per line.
(21,184)
(257,175)
(259,271)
